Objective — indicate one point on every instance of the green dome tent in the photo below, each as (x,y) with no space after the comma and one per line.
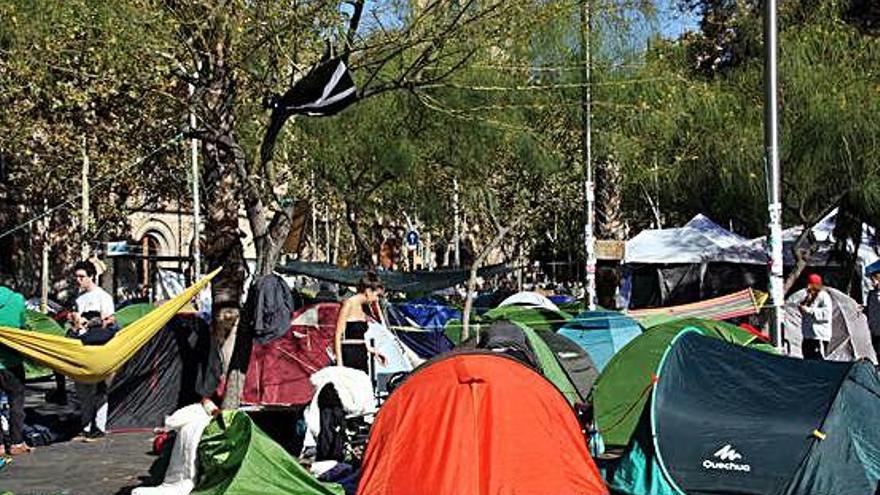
(727,419)
(129,314)
(236,457)
(39,322)
(622,389)
(540,319)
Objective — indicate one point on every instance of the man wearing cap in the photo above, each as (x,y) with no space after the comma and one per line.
(816,311)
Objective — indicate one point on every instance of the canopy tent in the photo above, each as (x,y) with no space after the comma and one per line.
(500,428)
(529,347)
(622,389)
(420,322)
(529,300)
(699,241)
(91,364)
(235,457)
(726,419)
(601,333)
(415,282)
(850,335)
(177,367)
(743,303)
(279,370)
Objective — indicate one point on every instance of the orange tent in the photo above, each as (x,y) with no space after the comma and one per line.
(478,424)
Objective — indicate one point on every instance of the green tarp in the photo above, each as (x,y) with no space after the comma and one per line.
(417,282)
(624,386)
(242,460)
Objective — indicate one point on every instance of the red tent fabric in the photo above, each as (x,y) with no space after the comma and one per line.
(279,370)
(478,424)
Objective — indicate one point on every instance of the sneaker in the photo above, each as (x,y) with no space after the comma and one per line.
(94,436)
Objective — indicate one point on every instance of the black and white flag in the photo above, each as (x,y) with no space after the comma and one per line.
(326,90)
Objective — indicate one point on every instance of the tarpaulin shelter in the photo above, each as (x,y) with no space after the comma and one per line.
(601,333)
(530,300)
(279,370)
(622,389)
(544,351)
(235,457)
(726,419)
(420,322)
(477,424)
(850,335)
(415,282)
(178,366)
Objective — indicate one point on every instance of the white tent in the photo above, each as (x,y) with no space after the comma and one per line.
(699,241)
(850,337)
(529,299)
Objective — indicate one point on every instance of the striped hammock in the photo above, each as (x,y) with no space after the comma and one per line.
(743,303)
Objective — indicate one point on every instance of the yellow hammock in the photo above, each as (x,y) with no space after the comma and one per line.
(93,363)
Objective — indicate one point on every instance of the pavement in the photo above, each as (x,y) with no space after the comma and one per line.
(110,466)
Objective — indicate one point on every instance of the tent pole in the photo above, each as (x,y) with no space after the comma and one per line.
(586,137)
(771,158)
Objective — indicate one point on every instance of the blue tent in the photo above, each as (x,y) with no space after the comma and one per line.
(420,323)
(601,334)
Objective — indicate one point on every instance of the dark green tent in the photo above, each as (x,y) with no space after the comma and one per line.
(727,419)
(623,387)
(239,459)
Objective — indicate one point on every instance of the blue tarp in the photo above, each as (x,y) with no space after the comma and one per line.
(428,318)
(601,334)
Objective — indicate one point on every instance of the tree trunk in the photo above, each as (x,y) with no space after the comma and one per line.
(364,250)
(609,224)
(472,281)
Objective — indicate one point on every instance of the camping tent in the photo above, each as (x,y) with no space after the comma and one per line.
(623,387)
(725,419)
(279,370)
(540,319)
(477,424)
(529,300)
(601,333)
(850,338)
(556,362)
(39,322)
(420,322)
(171,370)
(235,457)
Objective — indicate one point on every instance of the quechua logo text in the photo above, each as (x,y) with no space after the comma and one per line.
(725,459)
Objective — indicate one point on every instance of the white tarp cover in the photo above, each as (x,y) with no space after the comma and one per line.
(850,336)
(529,299)
(699,241)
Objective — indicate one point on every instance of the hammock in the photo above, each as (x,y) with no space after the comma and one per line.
(743,303)
(91,364)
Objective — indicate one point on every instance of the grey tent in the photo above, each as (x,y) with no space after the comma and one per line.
(850,339)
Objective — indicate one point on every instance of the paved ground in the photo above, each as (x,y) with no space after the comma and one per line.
(110,466)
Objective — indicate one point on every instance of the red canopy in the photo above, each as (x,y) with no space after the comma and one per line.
(279,370)
(478,424)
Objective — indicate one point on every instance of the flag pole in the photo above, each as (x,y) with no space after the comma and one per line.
(771,159)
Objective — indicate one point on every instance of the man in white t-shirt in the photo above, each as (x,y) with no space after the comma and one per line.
(94,308)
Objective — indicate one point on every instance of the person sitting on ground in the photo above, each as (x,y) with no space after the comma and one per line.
(816,311)
(12,314)
(95,312)
(350,344)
